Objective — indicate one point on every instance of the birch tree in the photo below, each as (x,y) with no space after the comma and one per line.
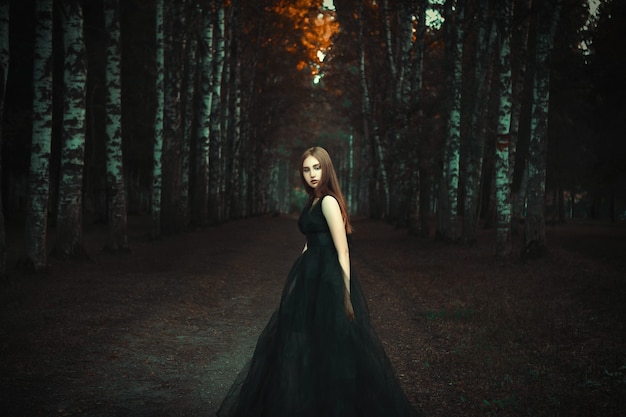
(475,141)
(370,125)
(69,242)
(174,46)
(398,50)
(39,172)
(216,173)
(4,72)
(200,212)
(418,206)
(534,226)
(452,148)
(116,193)
(232,121)
(188,113)
(502,175)
(518,198)
(157,153)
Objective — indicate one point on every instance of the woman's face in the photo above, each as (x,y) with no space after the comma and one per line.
(312,171)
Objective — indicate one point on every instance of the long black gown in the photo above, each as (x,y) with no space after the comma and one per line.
(310,360)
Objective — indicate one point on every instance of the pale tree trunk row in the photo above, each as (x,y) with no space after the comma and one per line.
(532,191)
(209,115)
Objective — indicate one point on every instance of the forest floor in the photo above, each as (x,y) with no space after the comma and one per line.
(163,330)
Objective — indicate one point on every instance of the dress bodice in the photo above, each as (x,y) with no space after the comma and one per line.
(312,220)
(313,225)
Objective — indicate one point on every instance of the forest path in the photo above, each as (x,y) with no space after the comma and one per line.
(164,330)
(161,331)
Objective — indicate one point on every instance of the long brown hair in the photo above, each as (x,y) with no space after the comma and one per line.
(328,184)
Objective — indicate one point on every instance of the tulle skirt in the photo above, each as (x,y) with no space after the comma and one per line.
(311,360)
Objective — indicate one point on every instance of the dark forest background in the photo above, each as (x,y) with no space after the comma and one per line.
(415,115)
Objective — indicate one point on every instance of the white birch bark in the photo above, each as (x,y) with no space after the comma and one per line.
(475,143)
(518,198)
(39,174)
(502,167)
(171,174)
(116,195)
(69,239)
(216,177)
(188,118)
(452,148)
(157,153)
(201,189)
(534,226)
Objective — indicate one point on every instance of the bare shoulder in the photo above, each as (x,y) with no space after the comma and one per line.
(329,203)
(331,209)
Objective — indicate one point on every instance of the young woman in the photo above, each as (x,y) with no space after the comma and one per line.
(318,356)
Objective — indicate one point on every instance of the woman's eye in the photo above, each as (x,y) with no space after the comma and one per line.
(317,168)
(305,170)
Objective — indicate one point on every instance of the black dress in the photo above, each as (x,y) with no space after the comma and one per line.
(310,360)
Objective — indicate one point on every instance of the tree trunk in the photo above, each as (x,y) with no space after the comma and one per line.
(399,57)
(231,121)
(157,153)
(200,211)
(188,119)
(418,195)
(39,174)
(69,241)
(117,219)
(171,216)
(452,148)
(475,143)
(516,109)
(534,227)
(518,204)
(368,119)
(4,72)
(502,176)
(216,172)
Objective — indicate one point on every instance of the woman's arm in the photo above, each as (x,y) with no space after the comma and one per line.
(332,213)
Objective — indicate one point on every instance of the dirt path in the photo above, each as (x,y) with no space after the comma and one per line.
(164,330)
(161,331)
